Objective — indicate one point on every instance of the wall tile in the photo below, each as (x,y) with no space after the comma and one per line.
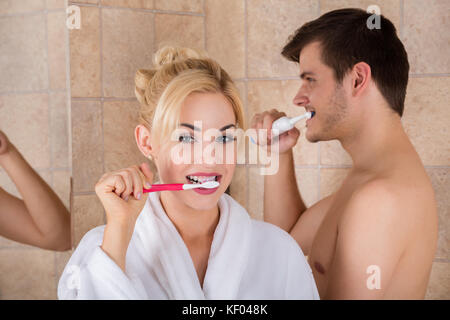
(127,46)
(179,30)
(276,94)
(22,6)
(389,8)
(331,180)
(270,23)
(27,274)
(85,55)
(86,1)
(61,260)
(238,186)
(87,144)
(120,120)
(24,118)
(308,184)
(59,130)
(426,118)
(225,35)
(138,4)
(87,214)
(440,179)
(439,284)
(56,4)
(23,57)
(61,186)
(180,5)
(425,35)
(57,42)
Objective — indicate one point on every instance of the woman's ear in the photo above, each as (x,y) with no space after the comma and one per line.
(143,141)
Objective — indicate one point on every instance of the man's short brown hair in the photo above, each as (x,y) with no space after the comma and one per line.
(346,40)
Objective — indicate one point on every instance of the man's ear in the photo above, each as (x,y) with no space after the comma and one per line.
(143,141)
(361,76)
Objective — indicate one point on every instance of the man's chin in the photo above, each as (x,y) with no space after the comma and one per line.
(311,137)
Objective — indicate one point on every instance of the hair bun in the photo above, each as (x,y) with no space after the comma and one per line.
(169,54)
(141,80)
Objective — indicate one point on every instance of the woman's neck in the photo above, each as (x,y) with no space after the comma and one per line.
(191,223)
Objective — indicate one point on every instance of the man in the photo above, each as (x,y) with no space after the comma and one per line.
(40,219)
(375,238)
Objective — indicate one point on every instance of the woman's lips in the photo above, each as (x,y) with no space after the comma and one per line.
(204,191)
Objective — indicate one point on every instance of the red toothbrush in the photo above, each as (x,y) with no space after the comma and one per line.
(182,186)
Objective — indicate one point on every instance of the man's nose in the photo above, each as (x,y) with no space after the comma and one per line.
(301,99)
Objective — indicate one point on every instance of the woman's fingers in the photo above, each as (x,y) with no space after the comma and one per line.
(128,179)
(138,179)
(148,174)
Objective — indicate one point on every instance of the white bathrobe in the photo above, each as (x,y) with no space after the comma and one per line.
(249,259)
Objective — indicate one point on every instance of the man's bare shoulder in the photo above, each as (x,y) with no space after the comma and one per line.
(389,204)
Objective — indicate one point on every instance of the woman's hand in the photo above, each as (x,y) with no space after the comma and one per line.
(121,194)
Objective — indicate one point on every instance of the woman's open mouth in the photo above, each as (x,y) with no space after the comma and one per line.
(202,177)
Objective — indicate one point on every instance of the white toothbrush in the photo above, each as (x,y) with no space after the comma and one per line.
(285,124)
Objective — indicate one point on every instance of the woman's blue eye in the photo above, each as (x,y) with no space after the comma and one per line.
(226,139)
(186,139)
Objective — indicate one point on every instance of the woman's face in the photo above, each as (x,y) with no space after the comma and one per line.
(203,148)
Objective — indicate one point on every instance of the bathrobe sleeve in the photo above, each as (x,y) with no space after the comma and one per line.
(92,274)
(300,280)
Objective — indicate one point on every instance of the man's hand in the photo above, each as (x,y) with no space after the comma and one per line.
(264,120)
(5,145)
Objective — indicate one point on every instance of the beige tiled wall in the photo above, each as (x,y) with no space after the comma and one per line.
(34,113)
(245,36)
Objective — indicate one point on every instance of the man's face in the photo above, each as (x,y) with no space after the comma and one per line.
(319,92)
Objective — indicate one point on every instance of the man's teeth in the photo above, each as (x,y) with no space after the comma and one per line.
(201,179)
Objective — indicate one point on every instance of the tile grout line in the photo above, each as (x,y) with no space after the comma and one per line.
(247,170)
(69,94)
(102,93)
(402,27)
(205,44)
(50,128)
(174,12)
(49,104)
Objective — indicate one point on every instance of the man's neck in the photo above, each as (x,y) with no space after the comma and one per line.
(375,144)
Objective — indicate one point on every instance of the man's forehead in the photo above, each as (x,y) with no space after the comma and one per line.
(310,58)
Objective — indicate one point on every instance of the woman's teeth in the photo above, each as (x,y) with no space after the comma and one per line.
(201,179)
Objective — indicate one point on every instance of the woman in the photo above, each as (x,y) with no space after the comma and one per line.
(194,244)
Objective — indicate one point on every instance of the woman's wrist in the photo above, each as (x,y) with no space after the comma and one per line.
(116,239)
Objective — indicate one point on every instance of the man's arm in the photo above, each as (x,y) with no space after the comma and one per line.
(371,239)
(283,204)
(40,219)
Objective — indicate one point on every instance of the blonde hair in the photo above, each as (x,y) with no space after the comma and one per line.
(177,73)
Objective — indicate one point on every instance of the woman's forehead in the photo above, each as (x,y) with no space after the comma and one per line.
(212,110)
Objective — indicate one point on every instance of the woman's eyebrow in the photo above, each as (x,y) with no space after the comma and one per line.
(228,126)
(190,126)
